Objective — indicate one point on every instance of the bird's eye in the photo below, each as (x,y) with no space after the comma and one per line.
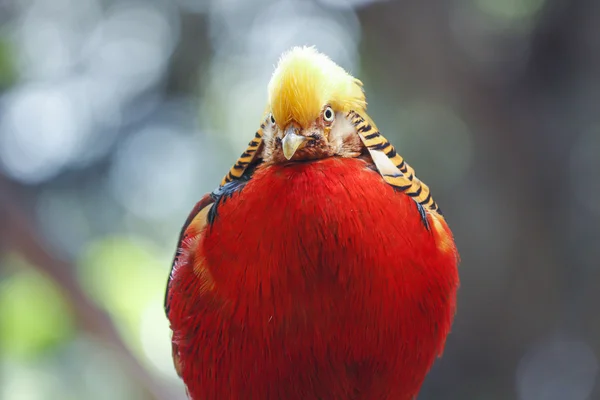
(272,119)
(328,115)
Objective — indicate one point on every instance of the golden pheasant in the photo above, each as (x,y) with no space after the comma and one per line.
(321,267)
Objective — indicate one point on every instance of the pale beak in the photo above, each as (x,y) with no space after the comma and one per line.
(292,142)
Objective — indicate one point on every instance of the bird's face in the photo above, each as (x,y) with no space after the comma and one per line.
(306,143)
(329,134)
(309,98)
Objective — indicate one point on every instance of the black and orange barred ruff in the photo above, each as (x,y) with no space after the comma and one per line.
(403,178)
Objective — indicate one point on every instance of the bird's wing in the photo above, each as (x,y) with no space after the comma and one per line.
(194,224)
(197,219)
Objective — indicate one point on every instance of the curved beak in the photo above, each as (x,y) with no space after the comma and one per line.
(292,141)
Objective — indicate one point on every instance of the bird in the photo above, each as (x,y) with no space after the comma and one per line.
(320,268)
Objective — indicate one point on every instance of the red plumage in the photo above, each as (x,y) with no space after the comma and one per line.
(315,280)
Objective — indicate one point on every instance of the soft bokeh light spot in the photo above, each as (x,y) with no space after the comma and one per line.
(34,314)
(139,33)
(50,39)
(40,132)
(155,337)
(154,169)
(287,24)
(44,46)
(123,274)
(100,367)
(247,94)
(19,377)
(105,103)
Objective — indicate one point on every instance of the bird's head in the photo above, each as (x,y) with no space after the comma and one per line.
(309,97)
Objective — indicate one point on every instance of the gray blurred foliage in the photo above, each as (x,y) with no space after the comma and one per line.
(116,116)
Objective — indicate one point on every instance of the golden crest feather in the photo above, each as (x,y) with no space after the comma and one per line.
(305,81)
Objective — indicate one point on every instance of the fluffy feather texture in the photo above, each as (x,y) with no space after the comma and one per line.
(332,289)
(305,81)
(311,279)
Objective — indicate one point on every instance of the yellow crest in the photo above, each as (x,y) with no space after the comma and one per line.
(305,81)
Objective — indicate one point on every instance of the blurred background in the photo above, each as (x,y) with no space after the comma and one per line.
(117,115)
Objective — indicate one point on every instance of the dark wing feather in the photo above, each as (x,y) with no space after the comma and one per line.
(206,201)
